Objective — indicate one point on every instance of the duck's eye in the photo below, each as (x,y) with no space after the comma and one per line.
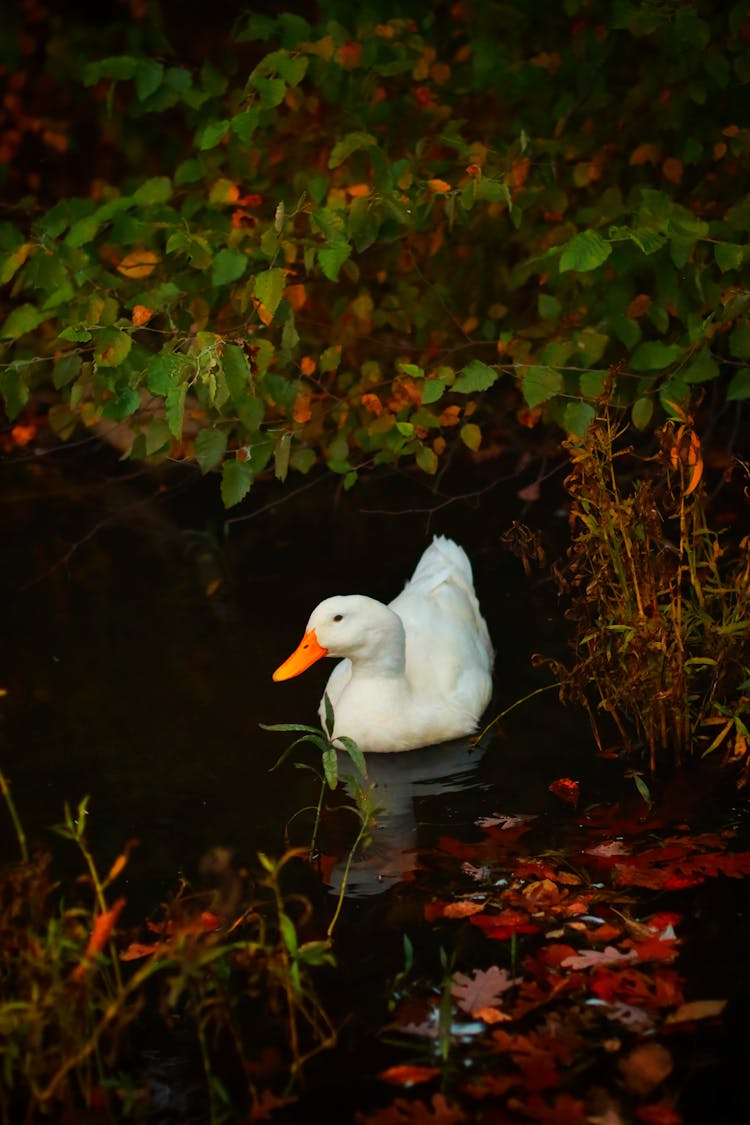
(338,617)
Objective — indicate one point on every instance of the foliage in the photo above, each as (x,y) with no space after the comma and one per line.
(73,991)
(358,243)
(660,602)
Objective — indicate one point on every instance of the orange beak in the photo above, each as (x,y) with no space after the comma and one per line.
(305,654)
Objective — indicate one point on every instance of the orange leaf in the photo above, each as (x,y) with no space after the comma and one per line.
(139,263)
(138,949)
(644,154)
(438,185)
(672,168)
(296,295)
(372,404)
(462,909)
(358,191)
(100,935)
(263,313)
(22,435)
(566,789)
(302,412)
(695,477)
(449,417)
(141,314)
(639,305)
(349,55)
(307,365)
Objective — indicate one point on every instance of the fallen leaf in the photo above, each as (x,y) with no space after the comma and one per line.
(462,909)
(592,958)
(407,1075)
(697,1010)
(566,789)
(482,989)
(645,1068)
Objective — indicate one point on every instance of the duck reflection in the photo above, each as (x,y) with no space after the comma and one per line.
(399,782)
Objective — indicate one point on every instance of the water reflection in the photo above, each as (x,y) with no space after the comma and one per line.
(400,782)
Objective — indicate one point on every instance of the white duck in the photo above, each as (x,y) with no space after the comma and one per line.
(416,672)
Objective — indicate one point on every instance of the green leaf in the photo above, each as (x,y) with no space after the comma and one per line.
(228,266)
(642,412)
(592,383)
(164,371)
(236,479)
(15,392)
(188,172)
(493,191)
(288,932)
(156,190)
(148,77)
(354,752)
(66,369)
(111,346)
(244,124)
(282,447)
(332,257)
(236,371)
(120,67)
(21,320)
(75,334)
(739,385)
(728,255)
(271,91)
(427,459)
(412,369)
(347,145)
(702,369)
(331,767)
(585,251)
(122,405)
(364,223)
(577,417)
(471,436)
(655,355)
(83,231)
(739,340)
(13,262)
(210,447)
(210,135)
(269,288)
(175,409)
(432,390)
(158,437)
(476,376)
(549,307)
(540,384)
(291,69)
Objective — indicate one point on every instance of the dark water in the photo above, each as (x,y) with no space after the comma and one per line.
(141,630)
(141,633)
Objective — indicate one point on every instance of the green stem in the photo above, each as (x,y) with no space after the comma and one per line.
(537,691)
(20,834)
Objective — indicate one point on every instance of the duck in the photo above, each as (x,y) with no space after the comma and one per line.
(415,672)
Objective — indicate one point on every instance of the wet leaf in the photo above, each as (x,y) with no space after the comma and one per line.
(483,989)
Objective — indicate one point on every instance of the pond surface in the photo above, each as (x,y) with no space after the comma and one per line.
(141,632)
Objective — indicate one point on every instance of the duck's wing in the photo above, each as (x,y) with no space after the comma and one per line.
(448,647)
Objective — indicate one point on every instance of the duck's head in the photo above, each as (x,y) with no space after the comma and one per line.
(349,625)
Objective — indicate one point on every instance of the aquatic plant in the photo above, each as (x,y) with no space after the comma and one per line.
(659,600)
(75,990)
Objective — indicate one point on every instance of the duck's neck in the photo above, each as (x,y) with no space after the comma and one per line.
(382,653)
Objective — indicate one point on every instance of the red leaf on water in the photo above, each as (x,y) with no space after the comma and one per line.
(504,925)
(566,789)
(408,1075)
